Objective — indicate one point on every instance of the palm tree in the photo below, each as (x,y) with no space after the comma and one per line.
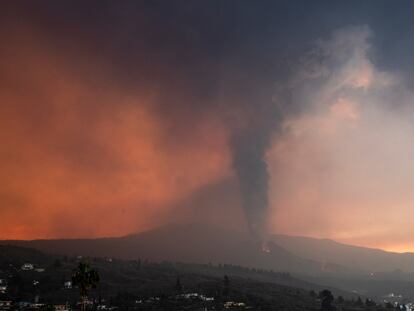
(85,278)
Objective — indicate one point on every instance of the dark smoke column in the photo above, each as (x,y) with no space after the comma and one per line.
(249,147)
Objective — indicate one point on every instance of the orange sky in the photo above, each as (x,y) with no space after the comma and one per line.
(343,169)
(83,154)
(90,159)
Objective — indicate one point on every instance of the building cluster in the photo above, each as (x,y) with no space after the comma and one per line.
(234,304)
(24,305)
(31,270)
(3,286)
(24,267)
(9,305)
(194,296)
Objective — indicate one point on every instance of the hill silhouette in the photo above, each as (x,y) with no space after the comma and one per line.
(186,243)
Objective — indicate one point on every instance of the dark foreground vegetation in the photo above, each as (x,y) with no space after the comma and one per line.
(31,280)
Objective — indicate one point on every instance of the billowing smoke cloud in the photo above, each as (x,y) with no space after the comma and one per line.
(342,167)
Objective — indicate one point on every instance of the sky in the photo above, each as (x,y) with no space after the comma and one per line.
(291,117)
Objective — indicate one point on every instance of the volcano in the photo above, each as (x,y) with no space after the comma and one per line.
(197,243)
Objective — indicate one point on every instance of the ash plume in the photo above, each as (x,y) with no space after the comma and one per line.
(249,146)
(249,149)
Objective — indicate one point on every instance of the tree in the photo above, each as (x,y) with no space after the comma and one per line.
(226,283)
(57,263)
(313,294)
(369,303)
(359,302)
(85,278)
(340,301)
(178,286)
(389,305)
(326,300)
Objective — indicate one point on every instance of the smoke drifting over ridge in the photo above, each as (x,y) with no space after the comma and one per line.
(345,157)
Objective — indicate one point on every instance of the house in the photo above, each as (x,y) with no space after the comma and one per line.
(23,304)
(27,266)
(190,296)
(37,305)
(105,307)
(62,308)
(86,302)
(233,304)
(67,284)
(5,304)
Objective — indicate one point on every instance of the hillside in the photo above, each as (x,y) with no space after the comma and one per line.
(308,259)
(363,258)
(124,283)
(187,243)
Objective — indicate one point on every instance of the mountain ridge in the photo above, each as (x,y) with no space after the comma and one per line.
(186,243)
(197,242)
(365,258)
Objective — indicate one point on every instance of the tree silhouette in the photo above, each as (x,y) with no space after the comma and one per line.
(226,283)
(178,286)
(369,303)
(85,278)
(326,300)
(359,302)
(57,263)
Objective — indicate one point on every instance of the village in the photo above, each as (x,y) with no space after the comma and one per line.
(33,274)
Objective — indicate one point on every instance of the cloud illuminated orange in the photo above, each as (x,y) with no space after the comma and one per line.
(90,158)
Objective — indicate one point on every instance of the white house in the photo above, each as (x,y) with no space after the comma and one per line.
(67,284)
(27,266)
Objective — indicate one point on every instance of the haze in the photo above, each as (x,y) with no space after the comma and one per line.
(271,117)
